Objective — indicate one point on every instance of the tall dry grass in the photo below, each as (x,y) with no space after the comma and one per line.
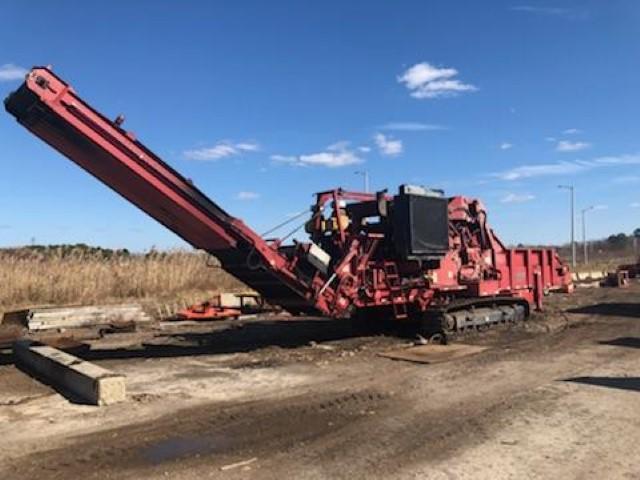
(29,278)
(600,257)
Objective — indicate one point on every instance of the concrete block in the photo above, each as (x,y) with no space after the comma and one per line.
(88,382)
(588,275)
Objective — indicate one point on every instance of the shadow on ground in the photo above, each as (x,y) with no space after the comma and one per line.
(631,342)
(234,339)
(622,383)
(612,309)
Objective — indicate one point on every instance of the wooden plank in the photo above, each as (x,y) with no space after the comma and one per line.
(82,311)
(72,317)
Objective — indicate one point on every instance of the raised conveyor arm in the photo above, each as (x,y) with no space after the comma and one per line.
(50,108)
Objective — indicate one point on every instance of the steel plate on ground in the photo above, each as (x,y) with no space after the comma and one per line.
(433,353)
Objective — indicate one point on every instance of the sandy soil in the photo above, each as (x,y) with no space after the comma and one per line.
(557,397)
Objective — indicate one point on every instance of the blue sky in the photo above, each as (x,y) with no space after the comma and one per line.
(264,103)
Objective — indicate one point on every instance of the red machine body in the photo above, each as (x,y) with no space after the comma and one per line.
(404,255)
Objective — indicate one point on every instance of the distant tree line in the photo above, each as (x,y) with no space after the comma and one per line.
(618,241)
(67,250)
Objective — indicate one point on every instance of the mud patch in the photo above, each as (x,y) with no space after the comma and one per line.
(433,353)
(214,434)
(209,373)
(179,447)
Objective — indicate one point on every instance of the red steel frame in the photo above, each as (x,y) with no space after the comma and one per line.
(51,109)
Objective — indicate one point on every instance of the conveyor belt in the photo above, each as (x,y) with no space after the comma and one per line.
(50,108)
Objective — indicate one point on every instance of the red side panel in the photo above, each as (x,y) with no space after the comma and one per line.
(520,267)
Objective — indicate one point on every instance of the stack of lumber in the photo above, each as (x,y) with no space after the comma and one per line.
(48,318)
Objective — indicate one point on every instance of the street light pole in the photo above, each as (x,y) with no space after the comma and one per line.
(365,176)
(573,240)
(584,234)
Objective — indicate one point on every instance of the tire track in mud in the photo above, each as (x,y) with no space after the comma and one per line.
(199,435)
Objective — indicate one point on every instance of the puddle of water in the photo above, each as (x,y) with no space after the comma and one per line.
(180,447)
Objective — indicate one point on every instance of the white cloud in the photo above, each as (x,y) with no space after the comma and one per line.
(566,168)
(411,126)
(572,131)
(339,146)
(569,13)
(248,147)
(615,160)
(283,158)
(506,146)
(221,150)
(247,196)
(364,149)
(387,146)
(625,179)
(426,81)
(330,159)
(9,72)
(567,146)
(335,155)
(528,171)
(517,198)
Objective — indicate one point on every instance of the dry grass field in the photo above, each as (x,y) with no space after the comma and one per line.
(58,276)
(605,254)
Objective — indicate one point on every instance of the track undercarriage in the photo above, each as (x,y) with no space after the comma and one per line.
(460,318)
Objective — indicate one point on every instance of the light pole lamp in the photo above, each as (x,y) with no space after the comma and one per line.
(584,233)
(573,240)
(365,176)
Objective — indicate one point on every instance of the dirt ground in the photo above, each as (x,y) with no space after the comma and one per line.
(556,397)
